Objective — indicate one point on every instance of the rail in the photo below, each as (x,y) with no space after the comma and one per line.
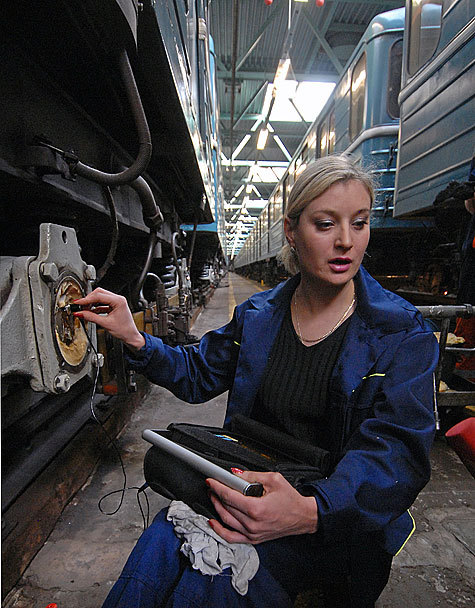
(446,314)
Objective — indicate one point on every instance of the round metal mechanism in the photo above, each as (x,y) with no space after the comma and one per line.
(71,339)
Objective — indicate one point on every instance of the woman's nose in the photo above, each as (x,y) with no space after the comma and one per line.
(343,238)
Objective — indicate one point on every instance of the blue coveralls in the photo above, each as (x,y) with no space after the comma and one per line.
(382,427)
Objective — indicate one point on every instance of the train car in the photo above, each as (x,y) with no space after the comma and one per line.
(106,150)
(361,117)
(436,143)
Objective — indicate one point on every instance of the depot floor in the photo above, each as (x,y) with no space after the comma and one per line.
(84,554)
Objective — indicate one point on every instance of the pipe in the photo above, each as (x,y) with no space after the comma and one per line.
(114,240)
(145,141)
(193,240)
(158,282)
(175,258)
(152,214)
(152,242)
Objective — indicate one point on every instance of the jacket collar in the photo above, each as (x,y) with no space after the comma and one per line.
(378,308)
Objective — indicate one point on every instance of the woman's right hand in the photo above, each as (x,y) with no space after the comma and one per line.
(111,312)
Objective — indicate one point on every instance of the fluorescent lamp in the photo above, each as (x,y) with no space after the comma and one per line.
(281,73)
(262,139)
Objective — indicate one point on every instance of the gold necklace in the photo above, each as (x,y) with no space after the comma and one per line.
(339,322)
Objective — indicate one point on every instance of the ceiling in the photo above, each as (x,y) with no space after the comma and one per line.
(250,37)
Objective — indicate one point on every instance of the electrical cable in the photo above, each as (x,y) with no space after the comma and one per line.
(145,515)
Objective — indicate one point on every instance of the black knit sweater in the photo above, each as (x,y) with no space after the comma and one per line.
(293,393)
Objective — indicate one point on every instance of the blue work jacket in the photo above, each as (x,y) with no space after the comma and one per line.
(381,421)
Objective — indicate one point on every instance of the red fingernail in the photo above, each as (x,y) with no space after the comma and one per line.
(77,314)
(207,482)
(237,471)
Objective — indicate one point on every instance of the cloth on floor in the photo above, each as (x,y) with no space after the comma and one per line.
(208,552)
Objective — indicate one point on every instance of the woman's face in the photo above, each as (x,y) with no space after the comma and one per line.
(332,233)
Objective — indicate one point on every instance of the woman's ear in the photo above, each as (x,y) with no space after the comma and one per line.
(289,233)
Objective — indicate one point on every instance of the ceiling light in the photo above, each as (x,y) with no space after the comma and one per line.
(281,74)
(261,140)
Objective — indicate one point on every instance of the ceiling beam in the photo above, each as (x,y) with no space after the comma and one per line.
(317,77)
(260,33)
(323,29)
(390,3)
(260,90)
(321,38)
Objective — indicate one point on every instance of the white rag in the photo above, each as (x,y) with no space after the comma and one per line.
(208,552)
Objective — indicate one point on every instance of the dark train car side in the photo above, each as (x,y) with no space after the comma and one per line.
(436,142)
(106,150)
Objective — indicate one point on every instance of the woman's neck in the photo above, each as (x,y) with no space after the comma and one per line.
(315,296)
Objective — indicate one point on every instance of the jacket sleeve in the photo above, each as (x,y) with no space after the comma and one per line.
(194,374)
(386,460)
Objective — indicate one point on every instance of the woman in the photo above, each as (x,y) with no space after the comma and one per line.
(329,356)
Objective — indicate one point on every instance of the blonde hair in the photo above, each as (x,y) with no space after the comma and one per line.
(314,181)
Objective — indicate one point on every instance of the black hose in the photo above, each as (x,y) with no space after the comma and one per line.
(152,214)
(175,259)
(145,141)
(193,240)
(156,278)
(114,240)
(152,242)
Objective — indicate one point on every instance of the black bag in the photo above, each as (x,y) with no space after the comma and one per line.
(246,445)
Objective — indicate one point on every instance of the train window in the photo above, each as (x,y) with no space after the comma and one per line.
(357,98)
(323,139)
(291,175)
(312,144)
(394,78)
(424,32)
(272,211)
(278,204)
(285,193)
(331,133)
(301,161)
(265,220)
(326,135)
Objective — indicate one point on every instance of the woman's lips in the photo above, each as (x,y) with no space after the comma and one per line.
(340,264)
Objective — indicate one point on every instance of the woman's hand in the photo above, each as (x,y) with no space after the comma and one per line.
(281,511)
(111,312)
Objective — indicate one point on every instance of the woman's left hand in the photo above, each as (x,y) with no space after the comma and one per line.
(281,511)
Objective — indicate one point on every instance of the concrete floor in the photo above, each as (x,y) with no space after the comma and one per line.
(87,549)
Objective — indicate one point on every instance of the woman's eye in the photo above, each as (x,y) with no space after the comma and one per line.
(323,225)
(360,223)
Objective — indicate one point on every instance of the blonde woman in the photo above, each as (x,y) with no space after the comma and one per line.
(329,357)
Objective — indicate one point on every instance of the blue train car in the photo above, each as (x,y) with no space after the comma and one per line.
(437,102)
(361,118)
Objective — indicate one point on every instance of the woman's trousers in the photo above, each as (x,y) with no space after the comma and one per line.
(157,575)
